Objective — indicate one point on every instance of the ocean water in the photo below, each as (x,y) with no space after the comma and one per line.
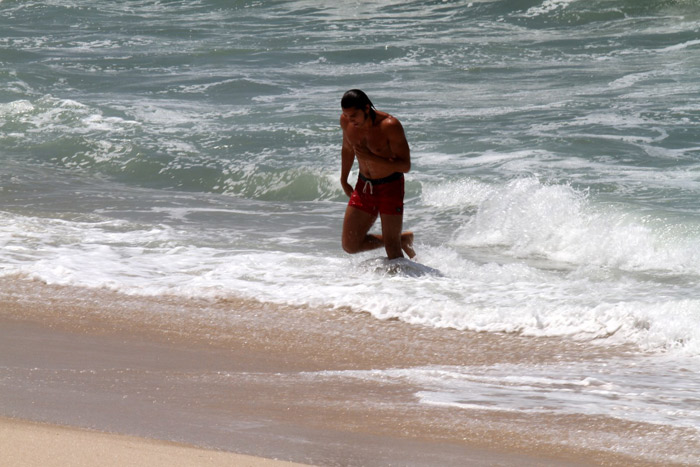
(192,148)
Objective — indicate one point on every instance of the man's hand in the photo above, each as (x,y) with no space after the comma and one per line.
(347,188)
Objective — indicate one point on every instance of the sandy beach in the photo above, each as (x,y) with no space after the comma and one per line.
(30,444)
(263,385)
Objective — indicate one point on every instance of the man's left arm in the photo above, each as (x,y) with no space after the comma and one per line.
(401,153)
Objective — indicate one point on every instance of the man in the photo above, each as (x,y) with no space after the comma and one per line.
(377,140)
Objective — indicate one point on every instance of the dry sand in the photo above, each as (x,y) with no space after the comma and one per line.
(28,444)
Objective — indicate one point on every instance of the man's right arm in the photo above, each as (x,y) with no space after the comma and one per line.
(347,159)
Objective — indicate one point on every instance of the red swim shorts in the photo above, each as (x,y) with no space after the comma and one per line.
(380,195)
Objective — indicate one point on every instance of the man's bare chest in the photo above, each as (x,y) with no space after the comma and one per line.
(375,141)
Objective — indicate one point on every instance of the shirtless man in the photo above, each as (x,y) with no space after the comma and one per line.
(376,139)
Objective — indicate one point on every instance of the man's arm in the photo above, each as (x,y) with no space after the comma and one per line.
(347,159)
(401,153)
(400,160)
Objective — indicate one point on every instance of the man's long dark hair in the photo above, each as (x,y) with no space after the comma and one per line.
(356,99)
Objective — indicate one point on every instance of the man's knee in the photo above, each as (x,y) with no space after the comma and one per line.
(350,247)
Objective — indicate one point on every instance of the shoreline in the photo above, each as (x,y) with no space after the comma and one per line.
(262,381)
(117,384)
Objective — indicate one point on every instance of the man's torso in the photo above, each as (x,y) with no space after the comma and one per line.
(376,141)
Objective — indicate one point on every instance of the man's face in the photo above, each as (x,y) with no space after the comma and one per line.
(356,117)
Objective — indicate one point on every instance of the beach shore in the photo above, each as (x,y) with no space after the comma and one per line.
(260,381)
(30,444)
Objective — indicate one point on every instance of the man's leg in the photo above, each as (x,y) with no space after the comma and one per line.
(407,244)
(391,235)
(355,231)
(356,238)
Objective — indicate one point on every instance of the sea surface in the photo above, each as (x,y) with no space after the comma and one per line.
(192,148)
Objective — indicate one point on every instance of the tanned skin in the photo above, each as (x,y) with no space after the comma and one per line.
(381,149)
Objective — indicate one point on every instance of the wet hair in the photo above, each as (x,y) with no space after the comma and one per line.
(356,99)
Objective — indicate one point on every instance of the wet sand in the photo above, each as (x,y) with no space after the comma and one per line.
(251,378)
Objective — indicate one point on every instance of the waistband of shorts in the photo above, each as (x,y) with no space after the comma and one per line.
(378,181)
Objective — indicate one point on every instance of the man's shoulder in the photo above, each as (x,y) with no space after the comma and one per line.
(390,124)
(390,120)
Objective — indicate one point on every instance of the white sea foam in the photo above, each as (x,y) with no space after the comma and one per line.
(633,78)
(547,7)
(532,296)
(529,219)
(19,107)
(656,391)
(575,270)
(619,388)
(681,46)
(49,114)
(461,193)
